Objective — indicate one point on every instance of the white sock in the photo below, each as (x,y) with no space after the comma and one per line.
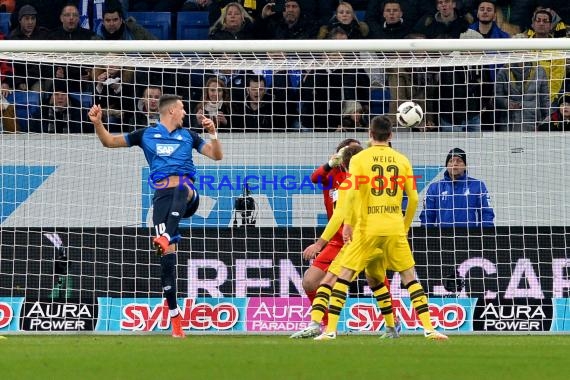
(173,312)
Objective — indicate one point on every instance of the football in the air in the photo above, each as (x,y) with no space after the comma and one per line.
(409,114)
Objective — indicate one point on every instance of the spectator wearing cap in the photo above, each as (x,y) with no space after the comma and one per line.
(28,76)
(559,120)
(457,200)
(28,28)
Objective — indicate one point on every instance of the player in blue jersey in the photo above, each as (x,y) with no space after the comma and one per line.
(168,150)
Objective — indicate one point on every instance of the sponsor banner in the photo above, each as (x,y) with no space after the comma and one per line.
(451,314)
(9,312)
(151,314)
(513,315)
(278,314)
(47,315)
(561,310)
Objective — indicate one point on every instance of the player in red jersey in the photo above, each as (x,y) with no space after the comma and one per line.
(329,176)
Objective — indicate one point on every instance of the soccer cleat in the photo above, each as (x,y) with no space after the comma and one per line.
(177,331)
(434,335)
(161,244)
(326,336)
(310,331)
(391,333)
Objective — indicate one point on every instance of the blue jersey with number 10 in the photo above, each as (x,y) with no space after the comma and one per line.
(167,153)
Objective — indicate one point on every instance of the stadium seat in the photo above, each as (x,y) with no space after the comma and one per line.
(379,101)
(5,24)
(360,15)
(192,26)
(158,23)
(26,104)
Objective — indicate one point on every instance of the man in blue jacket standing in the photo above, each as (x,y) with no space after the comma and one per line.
(457,200)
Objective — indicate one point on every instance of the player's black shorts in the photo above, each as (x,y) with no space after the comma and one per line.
(162,201)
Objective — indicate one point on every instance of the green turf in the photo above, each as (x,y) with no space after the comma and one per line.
(278,357)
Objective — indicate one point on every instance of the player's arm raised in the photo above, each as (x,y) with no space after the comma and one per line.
(213,148)
(107,139)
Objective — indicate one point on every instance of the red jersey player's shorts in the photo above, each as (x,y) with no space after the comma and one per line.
(327,255)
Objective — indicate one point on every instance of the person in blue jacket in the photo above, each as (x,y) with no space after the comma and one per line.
(457,200)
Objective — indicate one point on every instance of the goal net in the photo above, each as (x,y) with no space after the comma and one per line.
(76,218)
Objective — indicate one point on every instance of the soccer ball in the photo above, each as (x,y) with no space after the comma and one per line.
(409,114)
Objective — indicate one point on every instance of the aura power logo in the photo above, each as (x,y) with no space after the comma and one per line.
(284,195)
(17,183)
(58,316)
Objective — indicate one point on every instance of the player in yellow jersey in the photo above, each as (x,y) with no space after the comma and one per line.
(375,271)
(380,177)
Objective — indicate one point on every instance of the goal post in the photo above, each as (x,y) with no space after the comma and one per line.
(76,218)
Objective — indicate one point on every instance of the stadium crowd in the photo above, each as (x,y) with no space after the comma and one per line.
(52,98)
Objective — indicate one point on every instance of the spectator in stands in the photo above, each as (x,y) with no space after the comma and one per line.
(28,28)
(446,23)
(234,80)
(155,5)
(69,28)
(286,89)
(457,200)
(486,24)
(345,19)
(215,105)
(8,122)
(323,91)
(559,120)
(47,10)
(555,69)
(460,92)
(291,24)
(28,76)
(59,114)
(234,24)
(543,25)
(389,24)
(353,117)
(521,97)
(215,7)
(260,113)
(114,27)
(146,113)
(114,92)
(559,28)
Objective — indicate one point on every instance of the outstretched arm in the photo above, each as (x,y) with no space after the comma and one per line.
(108,140)
(213,148)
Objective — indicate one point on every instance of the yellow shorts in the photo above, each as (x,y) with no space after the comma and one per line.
(364,250)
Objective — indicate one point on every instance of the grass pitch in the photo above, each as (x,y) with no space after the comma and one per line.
(213,357)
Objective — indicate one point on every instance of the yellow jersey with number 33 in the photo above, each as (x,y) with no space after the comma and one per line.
(380,175)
